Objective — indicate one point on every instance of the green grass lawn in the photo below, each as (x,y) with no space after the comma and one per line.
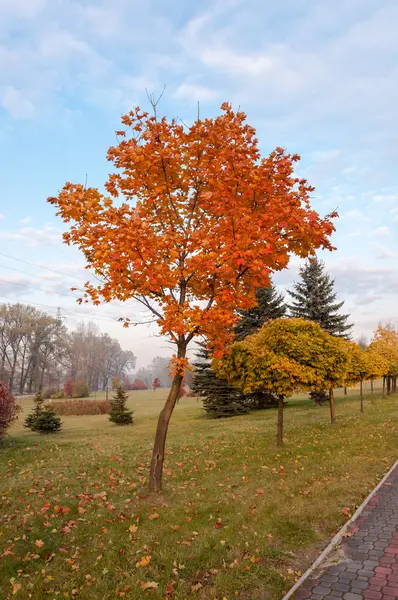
(238,518)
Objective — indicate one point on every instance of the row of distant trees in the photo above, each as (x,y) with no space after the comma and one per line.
(37,351)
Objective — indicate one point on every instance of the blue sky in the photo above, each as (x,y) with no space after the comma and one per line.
(317,77)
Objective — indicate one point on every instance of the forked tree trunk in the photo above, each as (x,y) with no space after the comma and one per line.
(155,475)
(279,426)
(361,393)
(332,408)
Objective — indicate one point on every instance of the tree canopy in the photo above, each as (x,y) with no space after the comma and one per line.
(204,220)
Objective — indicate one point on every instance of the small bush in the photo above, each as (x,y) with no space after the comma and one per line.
(68,388)
(81,407)
(47,421)
(49,392)
(138,384)
(58,395)
(42,419)
(8,409)
(119,414)
(80,389)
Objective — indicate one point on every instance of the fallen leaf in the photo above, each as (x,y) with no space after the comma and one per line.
(153,516)
(254,559)
(15,588)
(133,528)
(145,560)
(39,543)
(259,492)
(196,587)
(148,585)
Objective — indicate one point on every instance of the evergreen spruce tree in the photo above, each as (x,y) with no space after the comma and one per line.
(314,299)
(42,419)
(38,408)
(270,305)
(119,413)
(220,398)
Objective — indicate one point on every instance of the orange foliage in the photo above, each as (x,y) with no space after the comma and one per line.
(203,222)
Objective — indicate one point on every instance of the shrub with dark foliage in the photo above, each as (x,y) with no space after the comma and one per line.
(8,409)
(119,413)
(42,419)
(220,398)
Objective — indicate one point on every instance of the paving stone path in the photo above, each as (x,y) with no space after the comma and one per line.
(366,564)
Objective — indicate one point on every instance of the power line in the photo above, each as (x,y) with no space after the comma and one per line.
(101,318)
(31,274)
(27,262)
(33,287)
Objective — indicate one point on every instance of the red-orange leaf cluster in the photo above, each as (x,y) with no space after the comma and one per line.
(204,221)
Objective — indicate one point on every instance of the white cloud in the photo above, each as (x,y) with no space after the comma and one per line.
(355,215)
(382,252)
(16,102)
(25,220)
(195,93)
(2,217)
(33,238)
(325,155)
(383,231)
(25,9)
(388,198)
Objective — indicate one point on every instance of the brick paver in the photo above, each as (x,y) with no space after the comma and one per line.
(367,564)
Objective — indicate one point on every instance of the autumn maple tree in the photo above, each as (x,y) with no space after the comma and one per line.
(285,356)
(194,221)
(155,384)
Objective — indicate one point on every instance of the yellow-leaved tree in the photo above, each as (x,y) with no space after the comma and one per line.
(285,356)
(385,343)
(363,365)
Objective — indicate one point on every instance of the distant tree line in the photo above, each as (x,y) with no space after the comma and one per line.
(37,351)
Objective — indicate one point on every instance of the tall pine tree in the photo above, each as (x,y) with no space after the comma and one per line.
(270,305)
(314,299)
(220,398)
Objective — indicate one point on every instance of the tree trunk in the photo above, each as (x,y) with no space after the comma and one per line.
(156,471)
(332,408)
(345,390)
(41,381)
(12,374)
(279,426)
(361,393)
(384,386)
(388,386)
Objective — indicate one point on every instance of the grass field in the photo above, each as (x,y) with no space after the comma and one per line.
(237,520)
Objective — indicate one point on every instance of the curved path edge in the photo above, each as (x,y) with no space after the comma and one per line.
(338,537)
